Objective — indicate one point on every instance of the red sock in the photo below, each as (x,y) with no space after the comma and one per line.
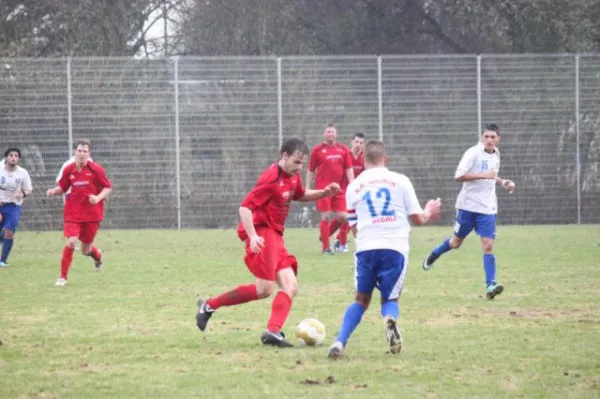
(324,227)
(95,254)
(241,294)
(343,235)
(65,261)
(334,226)
(279,312)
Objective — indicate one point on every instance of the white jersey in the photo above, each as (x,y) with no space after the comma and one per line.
(12,183)
(478,195)
(379,203)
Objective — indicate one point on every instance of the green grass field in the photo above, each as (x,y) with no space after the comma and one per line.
(130,330)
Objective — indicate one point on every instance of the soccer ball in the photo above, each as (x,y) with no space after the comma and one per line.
(310,332)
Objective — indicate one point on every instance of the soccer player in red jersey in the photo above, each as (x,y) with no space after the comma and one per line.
(84,206)
(358,165)
(332,163)
(263,213)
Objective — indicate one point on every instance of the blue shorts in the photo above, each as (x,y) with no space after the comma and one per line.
(384,269)
(466,221)
(10,216)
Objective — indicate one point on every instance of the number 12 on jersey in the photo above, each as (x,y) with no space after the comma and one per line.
(381,193)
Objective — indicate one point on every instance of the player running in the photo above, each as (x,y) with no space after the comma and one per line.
(263,213)
(477,204)
(380,204)
(15,185)
(84,207)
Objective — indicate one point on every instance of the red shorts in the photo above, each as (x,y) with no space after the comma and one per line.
(272,258)
(86,232)
(337,203)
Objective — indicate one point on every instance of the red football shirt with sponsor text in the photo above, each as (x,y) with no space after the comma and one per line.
(270,199)
(89,181)
(330,162)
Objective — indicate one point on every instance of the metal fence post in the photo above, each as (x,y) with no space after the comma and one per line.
(380,98)
(177,155)
(479,127)
(279,103)
(577,149)
(69,107)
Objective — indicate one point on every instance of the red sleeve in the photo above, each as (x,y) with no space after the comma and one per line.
(348,160)
(300,190)
(314,159)
(261,192)
(64,183)
(101,178)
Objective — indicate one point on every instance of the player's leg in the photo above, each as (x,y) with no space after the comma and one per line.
(343,236)
(282,303)
(262,265)
(86,236)
(324,208)
(464,224)
(338,206)
(11,216)
(71,232)
(1,225)
(485,227)
(391,275)
(365,281)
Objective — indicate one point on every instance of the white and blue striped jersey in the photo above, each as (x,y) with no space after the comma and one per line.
(379,203)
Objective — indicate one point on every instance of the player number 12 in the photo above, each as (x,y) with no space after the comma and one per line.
(382,192)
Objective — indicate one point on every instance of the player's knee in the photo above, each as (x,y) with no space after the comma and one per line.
(291,289)
(325,215)
(265,289)
(455,242)
(363,299)
(71,243)
(8,234)
(488,246)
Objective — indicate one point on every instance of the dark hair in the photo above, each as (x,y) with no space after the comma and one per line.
(83,142)
(359,135)
(492,128)
(329,125)
(290,146)
(12,149)
(374,151)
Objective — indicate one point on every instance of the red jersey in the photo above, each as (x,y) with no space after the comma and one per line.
(270,199)
(331,162)
(358,165)
(90,180)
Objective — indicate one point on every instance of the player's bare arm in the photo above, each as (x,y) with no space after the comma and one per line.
(256,241)
(430,213)
(313,195)
(22,194)
(309,179)
(94,199)
(508,185)
(350,174)
(490,174)
(55,191)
